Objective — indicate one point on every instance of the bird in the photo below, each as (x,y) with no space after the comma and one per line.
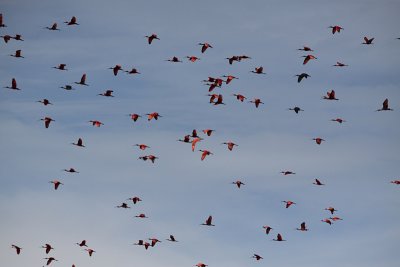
(56,184)
(339,120)
(13,85)
(335,218)
(258,70)
(331,209)
(267,229)
(395,182)
(200,264)
(208,132)
(82,243)
(327,221)
(302,227)
(238,183)
(330,95)
(79,143)
(53,27)
(194,142)
(18,37)
(141,215)
(17,249)
(134,116)
(83,80)
(48,247)
(151,37)
(205,153)
(208,221)
(142,146)
(318,182)
(44,102)
(152,158)
(296,109)
(240,97)
(233,58)
(6,38)
(115,69)
(90,251)
(204,47)
(17,54)
(67,87)
(96,123)
(174,59)
(139,243)
(256,102)
(243,57)
(71,170)
(335,29)
(60,67)
(308,58)
(288,203)
(107,93)
(219,100)
(385,106)
(49,260)
(124,206)
(279,238)
(318,140)
(301,76)
(212,97)
(154,241)
(133,71)
(172,238)
(47,121)
(192,58)
(287,172)
(72,21)
(229,78)
(368,41)
(257,257)
(306,48)
(339,64)
(154,115)
(194,134)
(230,145)
(2,25)
(186,139)
(135,199)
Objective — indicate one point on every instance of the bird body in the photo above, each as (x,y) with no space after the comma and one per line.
(53,27)
(385,105)
(330,95)
(72,21)
(256,102)
(318,140)
(279,238)
(151,37)
(308,58)
(79,143)
(302,76)
(204,47)
(368,41)
(257,257)
(288,203)
(56,184)
(258,70)
(302,227)
(336,28)
(208,221)
(238,183)
(107,93)
(205,153)
(48,247)
(318,182)
(17,54)
(13,85)
(267,229)
(47,121)
(17,249)
(296,109)
(230,145)
(83,80)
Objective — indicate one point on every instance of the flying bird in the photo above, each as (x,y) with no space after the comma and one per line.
(6,38)
(172,238)
(327,221)
(49,260)
(385,105)
(124,206)
(47,121)
(287,172)
(302,227)
(186,139)
(256,102)
(141,215)
(257,257)
(335,218)
(301,76)
(154,241)
(368,41)
(13,85)
(229,78)
(107,93)
(134,116)
(208,132)
(258,70)
(335,29)
(279,238)
(194,142)
(83,80)
(82,243)
(90,251)
(96,123)
(339,120)
(238,183)
(308,58)
(339,64)
(133,71)
(2,25)
(154,115)
(233,58)
(208,221)
(48,247)
(200,264)
(219,100)
(288,203)
(18,37)
(205,153)
(174,59)
(56,184)
(61,67)
(53,27)
(306,48)
(142,146)
(67,87)
(318,182)
(267,229)
(72,21)
(240,97)
(135,199)
(204,47)
(330,95)
(17,54)
(230,145)
(192,58)
(395,182)
(79,143)
(17,249)
(115,69)
(44,102)
(150,38)
(71,170)
(331,209)
(296,109)
(318,140)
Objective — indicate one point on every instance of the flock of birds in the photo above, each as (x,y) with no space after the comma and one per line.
(193,138)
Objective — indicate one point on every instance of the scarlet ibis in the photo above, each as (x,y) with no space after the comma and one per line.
(17,54)
(308,58)
(335,219)
(107,93)
(287,172)
(212,97)
(339,120)
(141,215)
(205,153)
(142,146)
(327,221)
(83,80)
(13,85)
(174,59)
(152,158)
(56,184)
(279,238)
(302,227)
(238,183)
(368,41)
(208,132)
(146,245)
(133,71)
(204,47)
(296,109)
(48,247)
(172,238)
(318,140)
(194,142)
(256,102)
(258,70)
(318,182)
(200,264)
(72,21)
(44,102)
(17,249)
(192,58)
(135,199)
(135,116)
(233,58)
(229,78)
(47,121)
(330,95)
(49,260)
(219,100)
(6,38)
(194,134)
(186,139)
(61,67)
(339,64)
(53,27)
(115,69)
(306,48)
(257,257)
(331,209)
(82,243)
(79,143)
(267,229)
(208,221)
(2,25)
(96,123)
(124,206)
(154,241)
(150,38)
(18,37)
(240,97)
(154,115)
(395,182)
(230,145)
(90,251)
(67,87)
(335,29)
(301,76)
(288,203)
(71,170)
(385,105)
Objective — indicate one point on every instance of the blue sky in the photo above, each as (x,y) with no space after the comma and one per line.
(356,162)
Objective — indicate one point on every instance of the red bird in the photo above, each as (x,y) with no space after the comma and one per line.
(83,80)
(219,100)
(13,85)
(307,58)
(194,142)
(288,203)
(124,206)
(205,153)
(230,145)
(142,146)
(240,97)
(339,120)
(154,241)
(47,121)
(200,264)
(331,209)
(134,116)
(256,102)
(233,58)
(238,183)
(279,238)
(208,221)
(267,229)
(385,105)
(2,25)
(135,199)
(44,102)
(204,47)
(186,139)
(318,182)
(53,27)
(96,123)
(330,95)
(79,143)
(153,115)
(395,182)
(56,184)
(192,58)
(90,251)
(150,38)
(17,249)
(72,21)
(302,227)
(258,70)
(335,219)
(229,78)
(318,140)
(152,158)
(82,243)
(115,69)
(368,41)
(208,132)
(17,54)
(336,29)
(327,221)
(141,215)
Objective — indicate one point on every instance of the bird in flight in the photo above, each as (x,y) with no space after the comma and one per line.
(339,120)
(150,38)
(90,251)
(56,184)
(318,182)
(67,87)
(204,47)
(133,71)
(48,247)
(385,105)
(107,93)
(230,145)
(318,140)
(200,264)
(288,203)
(83,80)
(71,170)
(2,25)
(279,238)
(229,78)
(327,221)
(306,48)
(208,132)
(287,172)
(47,121)
(395,182)
(208,221)
(142,146)
(44,102)
(238,183)
(154,115)
(174,59)
(368,41)
(134,116)
(60,67)
(135,199)
(308,58)
(267,229)
(82,243)
(124,206)
(256,102)
(115,69)
(79,143)
(330,95)
(13,85)
(141,215)
(296,109)
(96,123)
(205,153)
(17,54)
(53,27)
(172,238)
(17,249)
(257,257)
(6,38)
(72,21)
(302,227)
(339,64)
(331,209)
(335,29)
(258,70)
(302,76)
(49,260)
(240,97)
(192,58)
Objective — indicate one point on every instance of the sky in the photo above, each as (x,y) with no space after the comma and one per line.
(356,162)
